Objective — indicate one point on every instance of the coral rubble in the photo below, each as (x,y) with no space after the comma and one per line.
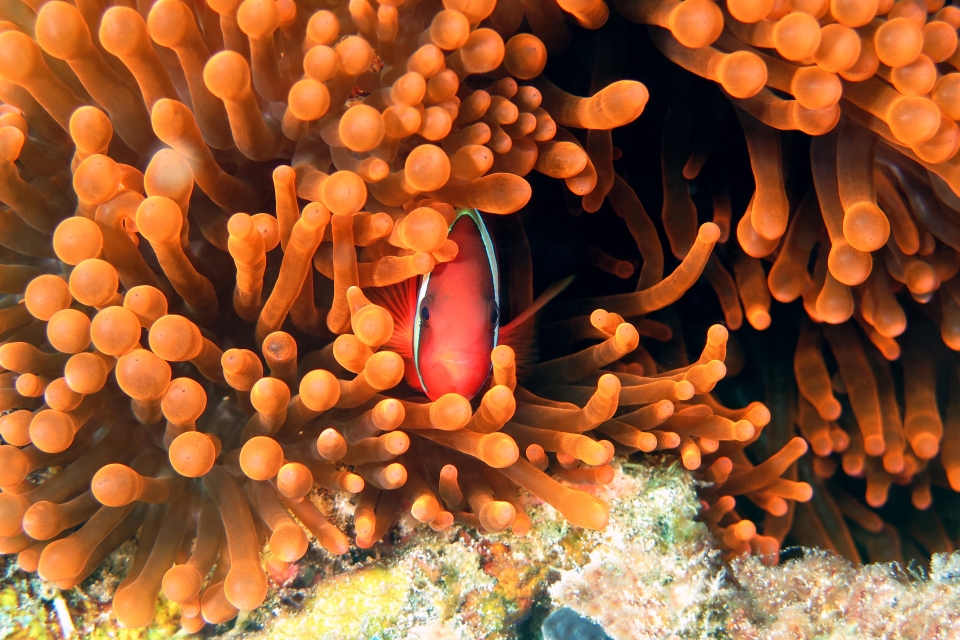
(638,589)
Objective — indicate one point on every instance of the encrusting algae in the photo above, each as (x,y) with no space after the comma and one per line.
(191,363)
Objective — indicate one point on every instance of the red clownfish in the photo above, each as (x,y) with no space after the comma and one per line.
(448,321)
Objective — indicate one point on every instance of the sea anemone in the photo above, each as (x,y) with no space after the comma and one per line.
(865,237)
(334,150)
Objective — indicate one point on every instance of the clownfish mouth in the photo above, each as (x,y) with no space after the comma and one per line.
(452,362)
(457,372)
(462,357)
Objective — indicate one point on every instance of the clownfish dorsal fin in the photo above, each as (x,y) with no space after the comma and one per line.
(400,300)
(519,333)
(549,294)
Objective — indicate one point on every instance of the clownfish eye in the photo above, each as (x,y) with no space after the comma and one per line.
(495,314)
(425,313)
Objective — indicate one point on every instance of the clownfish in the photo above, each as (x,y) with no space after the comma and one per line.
(447,322)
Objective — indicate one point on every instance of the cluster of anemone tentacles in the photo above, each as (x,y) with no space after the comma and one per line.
(140,294)
(322,154)
(859,218)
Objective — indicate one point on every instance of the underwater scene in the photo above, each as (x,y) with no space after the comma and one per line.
(479,319)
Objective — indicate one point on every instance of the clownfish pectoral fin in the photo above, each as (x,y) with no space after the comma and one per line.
(520,333)
(400,300)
